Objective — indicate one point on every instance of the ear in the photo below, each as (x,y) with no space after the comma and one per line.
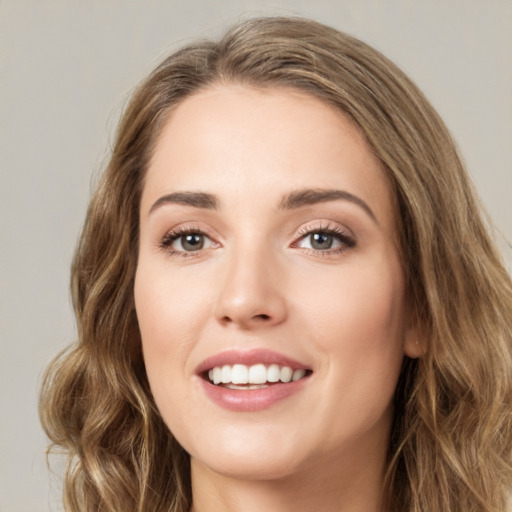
(415,344)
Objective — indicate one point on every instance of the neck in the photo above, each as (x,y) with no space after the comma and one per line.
(352,485)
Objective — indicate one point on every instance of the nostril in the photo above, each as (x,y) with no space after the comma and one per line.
(252,319)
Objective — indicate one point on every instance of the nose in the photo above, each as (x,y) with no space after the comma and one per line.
(252,295)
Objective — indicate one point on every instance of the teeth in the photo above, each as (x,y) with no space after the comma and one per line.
(239,374)
(247,386)
(286,374)
(258,374)
(226,374)
(298,374)
(255,376)
(273,373)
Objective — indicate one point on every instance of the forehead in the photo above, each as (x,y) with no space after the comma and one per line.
(236,138)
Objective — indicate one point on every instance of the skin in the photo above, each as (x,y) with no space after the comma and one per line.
(258,283)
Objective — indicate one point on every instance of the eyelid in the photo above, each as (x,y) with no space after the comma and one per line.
(343,234)
(175,233)
(324,225)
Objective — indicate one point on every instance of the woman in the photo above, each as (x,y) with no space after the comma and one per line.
(285,294)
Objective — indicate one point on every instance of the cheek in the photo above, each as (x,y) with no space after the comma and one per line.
(363,320)
(168,307)
(361,306)
(172,310)
(375,311)
(358,327)
(166,325)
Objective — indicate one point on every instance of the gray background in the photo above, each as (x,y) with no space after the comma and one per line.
(66,69)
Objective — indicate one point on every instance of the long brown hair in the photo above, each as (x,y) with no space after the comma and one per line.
(451,445)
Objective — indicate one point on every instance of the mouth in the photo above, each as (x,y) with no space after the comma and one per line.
(257,376)
(250,381)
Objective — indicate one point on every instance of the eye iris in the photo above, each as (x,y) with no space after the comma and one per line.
(192,242)
(321,241)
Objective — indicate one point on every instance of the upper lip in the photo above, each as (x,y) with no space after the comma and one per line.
(249,358)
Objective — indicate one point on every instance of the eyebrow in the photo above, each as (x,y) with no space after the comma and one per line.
(306,197)
(291,201)
(195,199)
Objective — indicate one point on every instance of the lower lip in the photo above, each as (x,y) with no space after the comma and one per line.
(251,400)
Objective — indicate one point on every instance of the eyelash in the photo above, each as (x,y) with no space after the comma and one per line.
(347,241)
(171,236)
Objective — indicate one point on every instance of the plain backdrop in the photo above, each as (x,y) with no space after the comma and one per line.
(67,69)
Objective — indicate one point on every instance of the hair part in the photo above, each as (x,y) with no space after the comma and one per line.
(452,437)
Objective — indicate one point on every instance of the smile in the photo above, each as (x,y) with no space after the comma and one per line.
(258,376)
(251,381)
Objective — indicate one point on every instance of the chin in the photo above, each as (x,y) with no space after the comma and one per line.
(240,456)
(256,467)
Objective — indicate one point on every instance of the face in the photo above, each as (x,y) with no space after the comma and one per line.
(269,292)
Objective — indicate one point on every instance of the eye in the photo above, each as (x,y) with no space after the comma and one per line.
(190,242)
(325,240)
(184,240)
(320,241)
